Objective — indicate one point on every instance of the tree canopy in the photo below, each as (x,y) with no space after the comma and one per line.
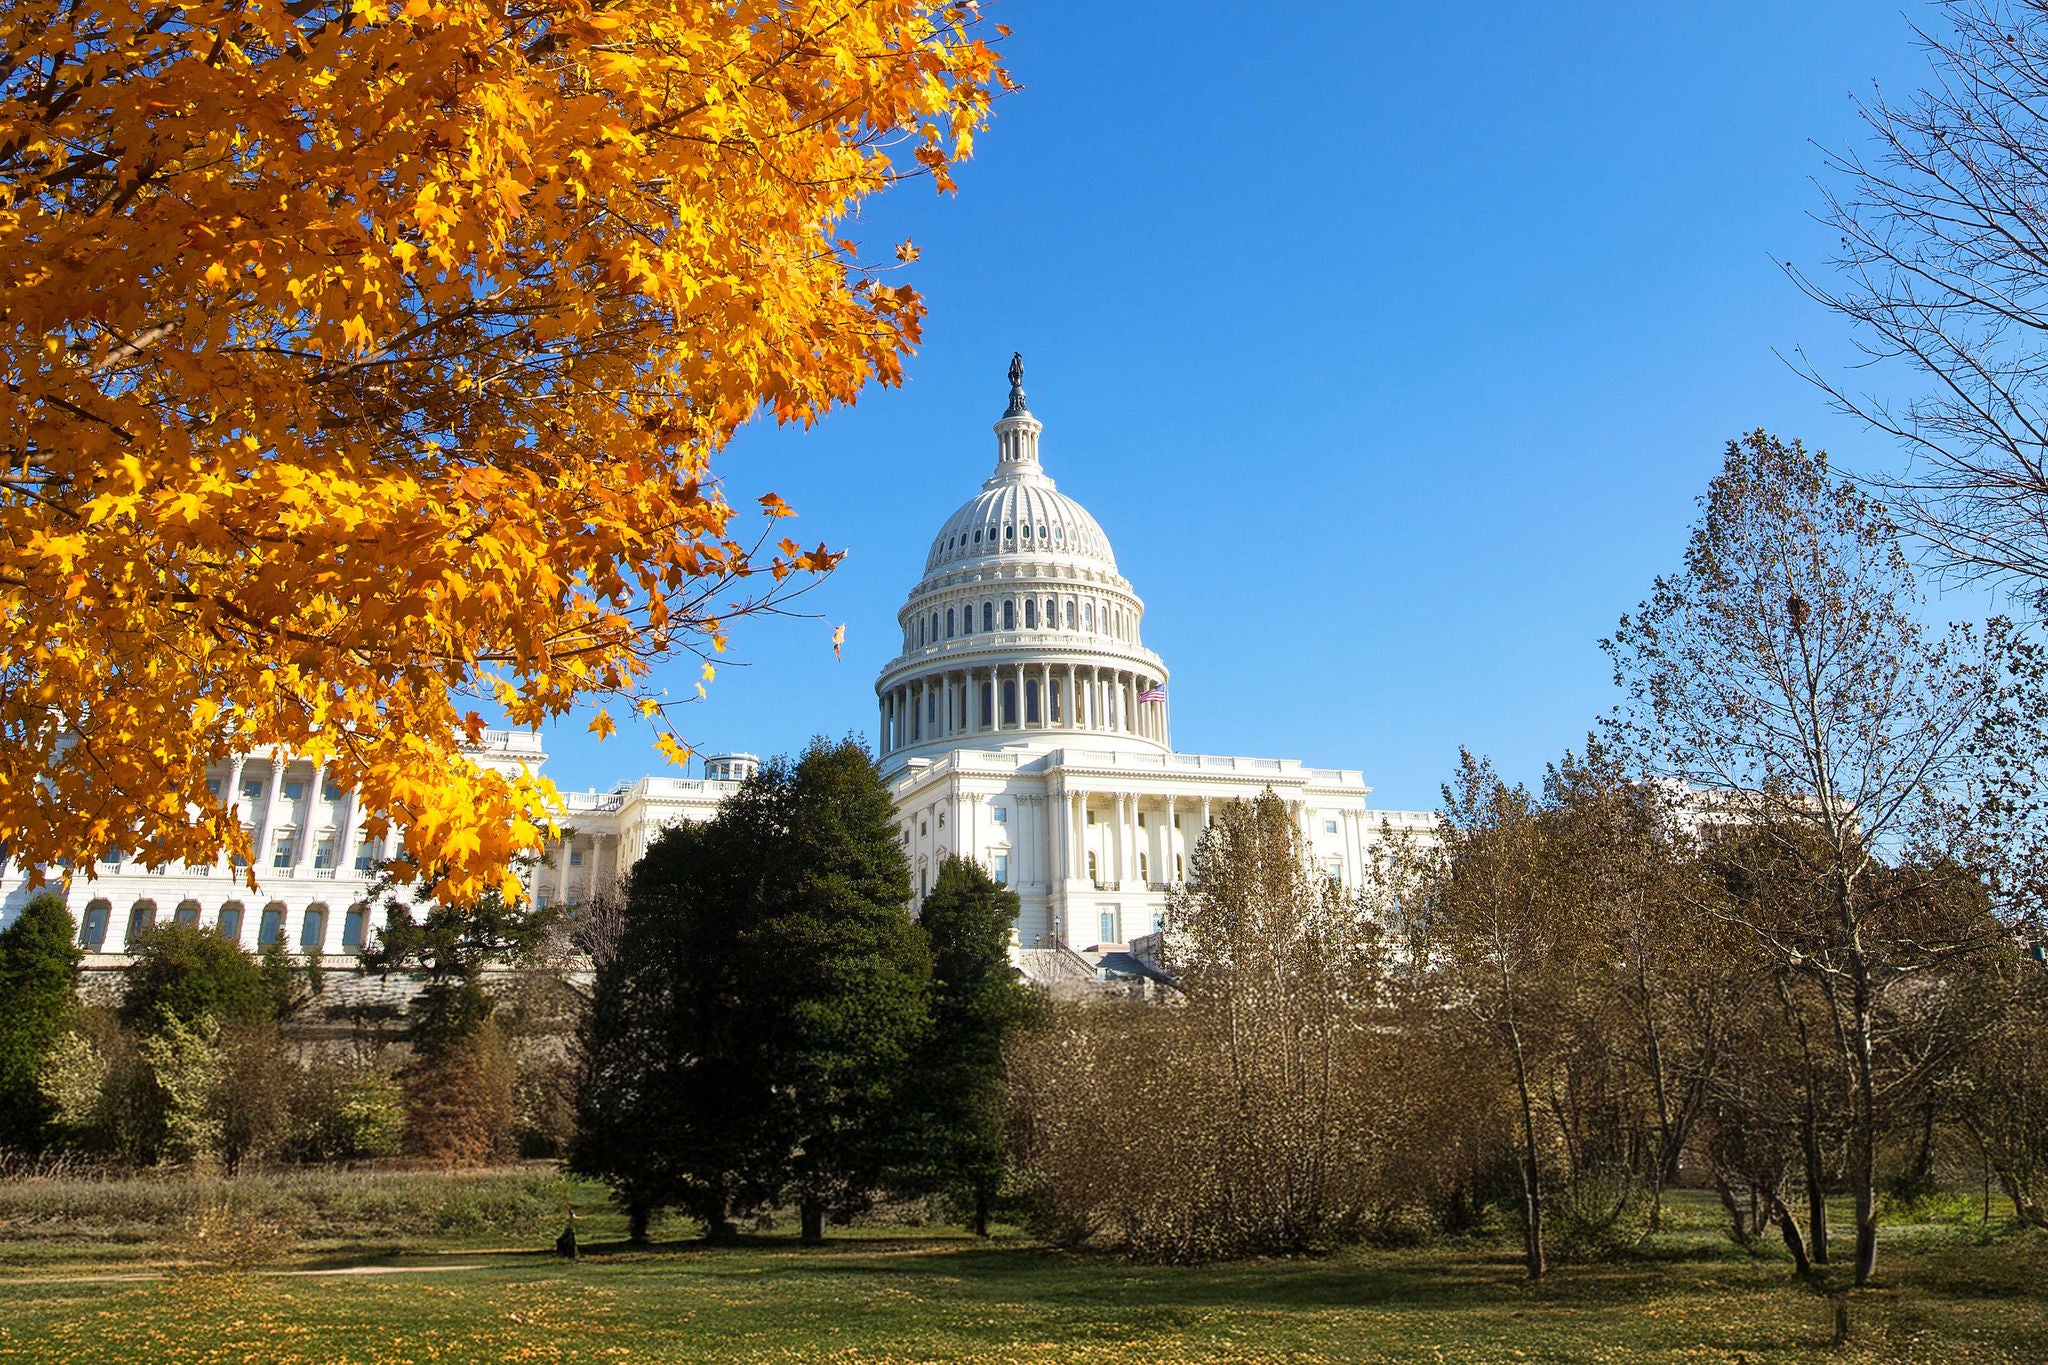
(365,364)
(38,981)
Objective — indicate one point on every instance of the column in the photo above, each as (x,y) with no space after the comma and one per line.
(1077,830)
(266,837)
(229,800)
(1073,712)
(1045,696)
(304,851)
(351,830)
(1172,847)
(882,727)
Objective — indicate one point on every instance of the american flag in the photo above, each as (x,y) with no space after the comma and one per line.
(1153,694)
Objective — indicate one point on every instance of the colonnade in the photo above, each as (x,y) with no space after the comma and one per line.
(1026,697)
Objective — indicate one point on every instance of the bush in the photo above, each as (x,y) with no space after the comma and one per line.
(186,974)
(460,1102)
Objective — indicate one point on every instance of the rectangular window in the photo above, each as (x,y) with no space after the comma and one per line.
(252,789)
(368,854)
(213,786)
(1329,826)
(575,857)
(270,929)
(1158,922)
(1091,817)
(323,854)
(1000,814)
(1002,868)
(294,790)
(1108,926)
(111,858)
(330,790)
(287,846)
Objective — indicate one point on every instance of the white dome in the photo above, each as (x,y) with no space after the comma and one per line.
(1023,515)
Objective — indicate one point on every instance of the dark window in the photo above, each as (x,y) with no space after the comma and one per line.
(352,929)
(270,929)
(1031,703)
(92,933)
(949,623)
(988,617)
(1009,703)
(1030,613)
(1009,615)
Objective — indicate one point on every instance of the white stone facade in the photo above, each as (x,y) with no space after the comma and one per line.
(1024,724)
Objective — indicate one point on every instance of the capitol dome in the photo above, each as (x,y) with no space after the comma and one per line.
(1021,629)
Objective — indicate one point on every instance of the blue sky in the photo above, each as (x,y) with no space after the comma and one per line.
(1391,347)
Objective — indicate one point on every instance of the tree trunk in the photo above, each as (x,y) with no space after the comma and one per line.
(1738,1218)
(1532,1186)
(813,1213)
(982,1201)
(638,1215)
(1816,1191)
(1789,1227)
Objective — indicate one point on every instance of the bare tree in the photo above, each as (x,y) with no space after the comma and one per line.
(1785,675)
(1943,269)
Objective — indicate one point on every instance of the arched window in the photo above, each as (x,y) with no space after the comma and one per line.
(187,914)
(949,623)
(1093,875)
(935,627)
(1070,613)
(988,706)
(1144,868)
(1088,613)
(230,922)
(141,919)
(1010,531)
(1009,613)
(1030,613)
(1052,613)
(92,930)
(1180,868)
(1009,701)
(967,619)
(270,928)
(352,928)
(988,616)
(313,932)
(1031,702)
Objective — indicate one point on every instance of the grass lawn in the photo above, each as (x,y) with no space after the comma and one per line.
(895,1294)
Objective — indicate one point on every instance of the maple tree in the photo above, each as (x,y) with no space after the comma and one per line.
(365,359)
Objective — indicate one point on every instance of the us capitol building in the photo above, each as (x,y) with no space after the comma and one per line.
(1024,724)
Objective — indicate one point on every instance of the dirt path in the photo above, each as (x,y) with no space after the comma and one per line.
(146,1276)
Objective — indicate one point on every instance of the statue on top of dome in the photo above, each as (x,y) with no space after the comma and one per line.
(1016,407)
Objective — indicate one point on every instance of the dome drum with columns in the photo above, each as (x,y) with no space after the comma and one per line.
(1021,626)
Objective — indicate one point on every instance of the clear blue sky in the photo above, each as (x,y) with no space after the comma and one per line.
(1390,344)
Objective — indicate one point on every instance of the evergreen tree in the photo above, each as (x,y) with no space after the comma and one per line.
(955,1124)
(38,978)
(851,984)
(674,1089)
(750,1032)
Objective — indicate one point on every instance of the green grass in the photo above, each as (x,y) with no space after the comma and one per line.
(1950,1294)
